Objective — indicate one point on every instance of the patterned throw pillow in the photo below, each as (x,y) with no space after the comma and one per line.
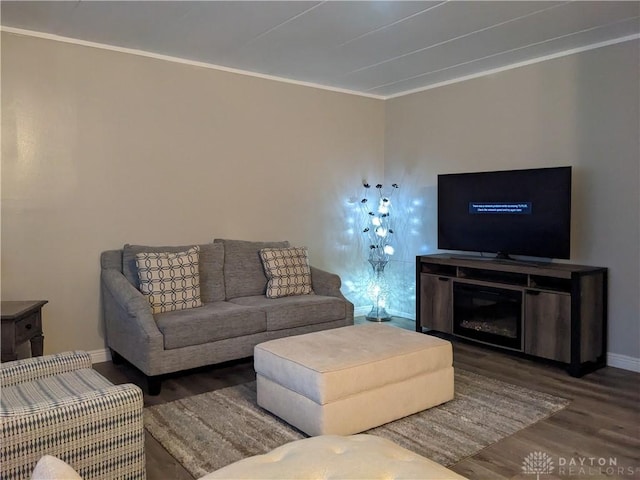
(288,271)
(170,281)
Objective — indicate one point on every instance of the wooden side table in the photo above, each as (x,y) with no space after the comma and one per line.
(21,321)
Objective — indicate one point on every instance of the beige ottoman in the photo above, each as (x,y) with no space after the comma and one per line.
(350,379)
(329,456)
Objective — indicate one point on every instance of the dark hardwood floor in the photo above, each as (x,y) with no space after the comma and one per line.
(602,423)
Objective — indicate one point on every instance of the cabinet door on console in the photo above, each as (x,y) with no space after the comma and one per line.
(436,301)
(548,325)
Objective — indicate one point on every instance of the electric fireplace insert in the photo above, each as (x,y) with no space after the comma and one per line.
(488,314)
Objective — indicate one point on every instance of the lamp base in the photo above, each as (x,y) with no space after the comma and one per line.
(378,314)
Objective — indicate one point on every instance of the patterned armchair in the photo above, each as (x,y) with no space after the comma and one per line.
(58,405)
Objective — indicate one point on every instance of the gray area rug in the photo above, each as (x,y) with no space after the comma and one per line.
(208,431)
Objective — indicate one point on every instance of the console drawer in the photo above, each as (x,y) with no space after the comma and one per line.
(27,327)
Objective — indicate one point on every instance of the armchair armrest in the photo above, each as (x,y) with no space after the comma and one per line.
(71,403)
(20,371)
(99,433)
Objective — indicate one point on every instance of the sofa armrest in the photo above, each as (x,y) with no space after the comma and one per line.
(125,294)
(325,283)
(20,371)
(328,284)
(129,322)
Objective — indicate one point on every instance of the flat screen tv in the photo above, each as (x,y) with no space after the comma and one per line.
(509,212)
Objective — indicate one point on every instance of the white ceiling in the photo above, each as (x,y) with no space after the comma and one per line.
(378,48)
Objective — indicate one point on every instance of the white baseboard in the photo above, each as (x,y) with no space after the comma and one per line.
(362,311)
(398,313)
(99,356)
(623,361)
(616,360)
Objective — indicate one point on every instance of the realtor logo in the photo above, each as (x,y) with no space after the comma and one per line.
(537,463)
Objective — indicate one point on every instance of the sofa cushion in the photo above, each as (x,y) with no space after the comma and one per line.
(287,271)
(170,281)
(243,272)
(296,311)
(211,264)
(209,323)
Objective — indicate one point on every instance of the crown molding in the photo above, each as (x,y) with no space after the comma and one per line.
(511,66)
(168,58)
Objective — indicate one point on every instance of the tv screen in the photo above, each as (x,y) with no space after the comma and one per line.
(510,212)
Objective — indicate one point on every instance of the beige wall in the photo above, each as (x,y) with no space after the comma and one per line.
(580,110)
(101,148)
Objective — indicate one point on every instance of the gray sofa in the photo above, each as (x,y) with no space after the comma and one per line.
(235,314)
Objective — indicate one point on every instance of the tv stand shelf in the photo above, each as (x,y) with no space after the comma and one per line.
(561,309)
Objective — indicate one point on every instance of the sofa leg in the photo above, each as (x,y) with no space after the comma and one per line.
(116,358)
(154,385)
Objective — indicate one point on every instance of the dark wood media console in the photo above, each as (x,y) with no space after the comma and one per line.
(552,311)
